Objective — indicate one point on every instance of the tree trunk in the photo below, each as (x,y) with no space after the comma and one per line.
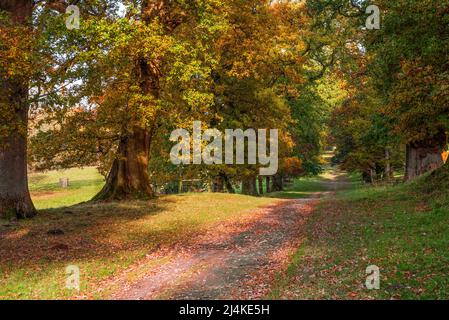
(388,171)
(372,175)
(424,156)
(15,200)
(267,184)
(260,185)
(278,184)
(245,186)
(254,186)
(128,178)
(228,184)
(249,186)
(218,184)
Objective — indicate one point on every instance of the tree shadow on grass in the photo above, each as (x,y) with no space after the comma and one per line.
(79,232)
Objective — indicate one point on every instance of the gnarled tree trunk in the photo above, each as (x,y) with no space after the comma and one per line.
(15,200)
(128,178)
(424,156)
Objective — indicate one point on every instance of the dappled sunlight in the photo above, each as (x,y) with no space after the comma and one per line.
(95,235)
(15,235)
(222,149)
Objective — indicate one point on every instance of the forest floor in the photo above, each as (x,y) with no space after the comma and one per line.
(312,241)
(116,245)
(239,263)
(231,263)
(402,229)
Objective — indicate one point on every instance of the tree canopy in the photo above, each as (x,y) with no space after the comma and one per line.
(110,92)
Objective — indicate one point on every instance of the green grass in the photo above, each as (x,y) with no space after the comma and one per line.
(302,188)
(46,192)
(404,230)
(105,239)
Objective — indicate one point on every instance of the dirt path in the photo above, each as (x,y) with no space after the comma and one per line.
(231,261)
(233,265)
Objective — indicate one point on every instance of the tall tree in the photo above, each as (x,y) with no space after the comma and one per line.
(15,198)
(411,69)
(170,24)
(140,72)
(36,66)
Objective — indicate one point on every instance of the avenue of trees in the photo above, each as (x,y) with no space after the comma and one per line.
(110,92)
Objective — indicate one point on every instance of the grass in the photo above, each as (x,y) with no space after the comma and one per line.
(302,188)
(46,192)
(101,239)
(404,230)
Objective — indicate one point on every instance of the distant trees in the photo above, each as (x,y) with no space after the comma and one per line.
(397,83)
(410,70)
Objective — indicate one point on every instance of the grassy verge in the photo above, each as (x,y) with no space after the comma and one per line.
(46,192)
(404,230)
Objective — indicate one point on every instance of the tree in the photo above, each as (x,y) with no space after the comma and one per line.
(405,66)
(15,71)
(129,177)
(163,64)
(35,66)
(411,68)
(140,72)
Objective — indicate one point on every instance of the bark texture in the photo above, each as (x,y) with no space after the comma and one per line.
(218,184)
(128,178)
(424,156)
(249,186)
